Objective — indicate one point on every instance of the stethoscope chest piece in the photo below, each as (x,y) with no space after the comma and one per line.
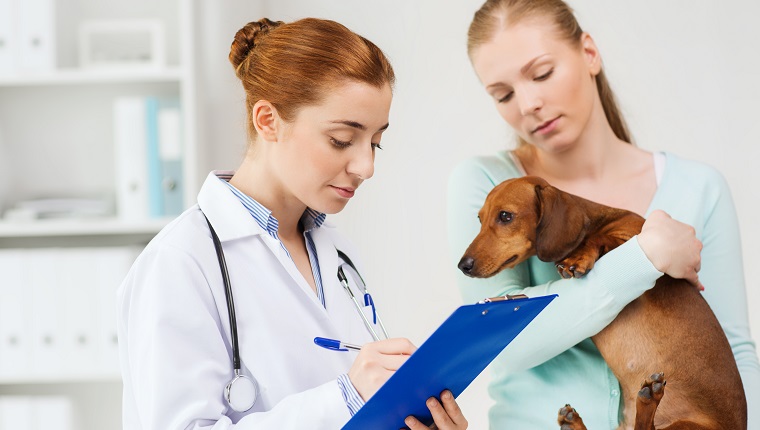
(241,393)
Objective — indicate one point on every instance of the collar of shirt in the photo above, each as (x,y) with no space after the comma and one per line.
(310,220)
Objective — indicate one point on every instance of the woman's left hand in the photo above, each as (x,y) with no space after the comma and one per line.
(446,416)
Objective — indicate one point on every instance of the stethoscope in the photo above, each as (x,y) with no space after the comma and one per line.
(242,391)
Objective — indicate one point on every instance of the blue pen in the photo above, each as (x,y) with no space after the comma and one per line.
(335,345)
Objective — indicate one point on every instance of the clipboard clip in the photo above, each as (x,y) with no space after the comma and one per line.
(502,298)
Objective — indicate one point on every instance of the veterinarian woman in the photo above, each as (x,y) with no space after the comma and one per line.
(317,97)
(545,77)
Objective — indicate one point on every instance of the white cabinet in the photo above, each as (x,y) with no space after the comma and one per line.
(57,146)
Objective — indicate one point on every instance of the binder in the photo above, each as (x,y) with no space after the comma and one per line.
(79,322)
(15,311)
(7,38)
(43,268)
(155,201)
(130,131)
(170,156)
(36,36)
(110,268)
(164,157)
(451,358)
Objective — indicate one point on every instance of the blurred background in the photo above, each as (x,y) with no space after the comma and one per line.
(112,113)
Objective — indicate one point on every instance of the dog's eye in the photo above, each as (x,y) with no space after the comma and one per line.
(505,217)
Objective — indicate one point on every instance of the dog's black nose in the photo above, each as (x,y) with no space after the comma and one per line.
(465,264)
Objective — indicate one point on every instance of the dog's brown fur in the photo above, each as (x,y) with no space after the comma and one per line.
(670,329)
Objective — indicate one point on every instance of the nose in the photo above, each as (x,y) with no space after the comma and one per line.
(363,163)
(528,101)
(466,264)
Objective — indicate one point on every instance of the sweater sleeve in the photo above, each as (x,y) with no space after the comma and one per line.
(722,274)
(583,306)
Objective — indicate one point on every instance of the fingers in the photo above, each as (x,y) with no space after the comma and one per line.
(376,362)
(446,414)
(671,246)
(395,346)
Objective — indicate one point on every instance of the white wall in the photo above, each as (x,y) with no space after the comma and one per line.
(684,71)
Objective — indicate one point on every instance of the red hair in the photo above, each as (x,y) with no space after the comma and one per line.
(294,65)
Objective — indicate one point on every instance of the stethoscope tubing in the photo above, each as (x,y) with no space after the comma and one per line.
(249,386)
(230,300)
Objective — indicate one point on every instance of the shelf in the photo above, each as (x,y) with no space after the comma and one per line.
(94,377)
(80,227)
(94,76)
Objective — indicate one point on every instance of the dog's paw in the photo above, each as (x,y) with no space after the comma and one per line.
(652,389)
(575,266)
(568,419)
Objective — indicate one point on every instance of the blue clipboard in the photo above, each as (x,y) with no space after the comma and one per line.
(451,358)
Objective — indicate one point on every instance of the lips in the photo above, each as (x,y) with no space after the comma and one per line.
(546,126)
(346,193)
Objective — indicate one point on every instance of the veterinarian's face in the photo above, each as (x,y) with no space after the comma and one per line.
(328,150)
(543,86)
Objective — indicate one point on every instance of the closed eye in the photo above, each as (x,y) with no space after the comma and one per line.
(545,76)
(506,98)
(339,143)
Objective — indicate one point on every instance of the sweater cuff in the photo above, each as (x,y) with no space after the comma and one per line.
(627,273)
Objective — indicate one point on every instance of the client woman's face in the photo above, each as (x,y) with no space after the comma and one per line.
(543,85)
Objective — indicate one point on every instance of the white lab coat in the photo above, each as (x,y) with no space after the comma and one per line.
(174,334)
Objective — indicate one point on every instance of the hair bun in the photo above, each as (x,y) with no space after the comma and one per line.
(248,37)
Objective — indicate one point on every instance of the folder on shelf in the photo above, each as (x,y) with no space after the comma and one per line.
(170,154)
(131,166)
(36,35)
(164,157)
(8,50)
(451,358)
(43,269)
(79,323)
(110,267)
(15,311)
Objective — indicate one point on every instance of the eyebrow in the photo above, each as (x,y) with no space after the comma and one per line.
(356,125)
(523,70)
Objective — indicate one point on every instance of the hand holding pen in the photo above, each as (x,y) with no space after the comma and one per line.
(375,364)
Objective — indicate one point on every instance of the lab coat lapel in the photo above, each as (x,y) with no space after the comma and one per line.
(231,220)
(290,266)
(328,266)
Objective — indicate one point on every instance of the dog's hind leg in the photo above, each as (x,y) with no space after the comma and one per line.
(569,419)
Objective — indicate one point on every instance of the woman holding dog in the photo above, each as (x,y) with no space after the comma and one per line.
(318,98)
(546,79)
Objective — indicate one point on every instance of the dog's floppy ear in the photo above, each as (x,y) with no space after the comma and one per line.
(561,224)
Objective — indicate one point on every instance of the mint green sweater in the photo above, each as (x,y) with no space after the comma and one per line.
(554,361)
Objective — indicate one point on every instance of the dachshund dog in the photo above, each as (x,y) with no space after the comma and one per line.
(669,332)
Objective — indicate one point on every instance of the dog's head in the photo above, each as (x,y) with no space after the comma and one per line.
(520,218)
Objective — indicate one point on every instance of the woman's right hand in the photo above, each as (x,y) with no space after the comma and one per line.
(376,362)
(672,247)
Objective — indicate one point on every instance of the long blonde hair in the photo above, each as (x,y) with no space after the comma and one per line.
(496,14)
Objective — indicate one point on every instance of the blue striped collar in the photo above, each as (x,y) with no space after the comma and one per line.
(310,220)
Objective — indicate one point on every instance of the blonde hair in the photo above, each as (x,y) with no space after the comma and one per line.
(294,65)
(497,14)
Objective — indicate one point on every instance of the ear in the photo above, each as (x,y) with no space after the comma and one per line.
(591,54)
(265,120)
(561,224)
